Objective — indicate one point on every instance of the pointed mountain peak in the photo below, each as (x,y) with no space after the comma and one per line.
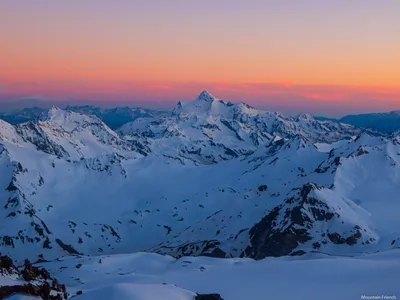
(202,104)
(205,96)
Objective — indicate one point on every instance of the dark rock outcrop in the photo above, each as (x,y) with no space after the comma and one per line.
(40,276)
(67,248)
(33,133)
(300,220)
(202,248)
(262,188)
(270,238)
(208,297)
(216,252)
(7,266)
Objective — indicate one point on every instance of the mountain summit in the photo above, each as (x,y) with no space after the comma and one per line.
(205,96)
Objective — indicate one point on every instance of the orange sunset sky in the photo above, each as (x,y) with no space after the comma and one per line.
(322,57)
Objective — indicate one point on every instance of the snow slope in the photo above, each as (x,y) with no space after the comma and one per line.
(152,277)
(144,276)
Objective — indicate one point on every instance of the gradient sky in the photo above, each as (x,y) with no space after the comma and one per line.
(328,57)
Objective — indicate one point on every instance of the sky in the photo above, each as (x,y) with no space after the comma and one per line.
(326,57)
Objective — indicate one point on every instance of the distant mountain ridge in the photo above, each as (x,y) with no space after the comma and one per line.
(385,122)
(208,130)
(118,116)
(115,118)
(388,122)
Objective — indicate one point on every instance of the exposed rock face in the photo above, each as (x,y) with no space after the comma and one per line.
(300,220)
(31,272)
(7,266)
(38,279)
(208,297)
(203,248)
(31,132)
(216,252)
(44,291)
(262,188)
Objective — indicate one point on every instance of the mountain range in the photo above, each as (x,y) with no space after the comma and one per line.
(210,178)
(113,117)
(387,122)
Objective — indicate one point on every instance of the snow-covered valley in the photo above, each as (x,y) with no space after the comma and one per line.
(144,276)
(214,197)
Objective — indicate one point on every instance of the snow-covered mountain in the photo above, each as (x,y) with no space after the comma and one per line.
(208,130)
(118,116)
(211,179)
(113,117)
(69,135)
